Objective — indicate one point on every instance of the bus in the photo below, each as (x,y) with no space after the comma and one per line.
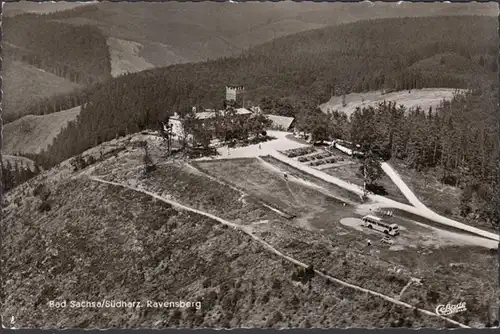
(378,224)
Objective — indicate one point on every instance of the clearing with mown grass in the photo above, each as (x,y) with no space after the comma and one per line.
(125,58)
(424,98)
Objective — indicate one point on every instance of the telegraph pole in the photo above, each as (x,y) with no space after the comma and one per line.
(169,138)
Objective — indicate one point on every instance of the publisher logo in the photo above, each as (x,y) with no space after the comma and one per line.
(450,309)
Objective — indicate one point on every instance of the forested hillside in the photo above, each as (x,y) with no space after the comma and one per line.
(78,53)
(301,71)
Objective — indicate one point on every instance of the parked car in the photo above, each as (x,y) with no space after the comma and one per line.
(387,240)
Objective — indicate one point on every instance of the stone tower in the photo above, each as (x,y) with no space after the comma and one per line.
(232,92)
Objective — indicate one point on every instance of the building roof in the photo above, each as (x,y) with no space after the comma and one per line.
(281,121)
(205,114)
(243,111)
(210,113)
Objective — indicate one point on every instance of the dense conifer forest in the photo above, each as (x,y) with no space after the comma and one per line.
(14,174)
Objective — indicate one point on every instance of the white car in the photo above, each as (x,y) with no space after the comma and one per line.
(387,240)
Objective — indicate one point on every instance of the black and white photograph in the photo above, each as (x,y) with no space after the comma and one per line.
(250,165)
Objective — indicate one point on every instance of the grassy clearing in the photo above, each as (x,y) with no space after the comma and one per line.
(272,188)
(125,58)
(31,134)
(25,84)
(186,186)
(427,187)
(425,98)
(300,174)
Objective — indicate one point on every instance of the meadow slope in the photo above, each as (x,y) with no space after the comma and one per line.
(25,85)
(31,134)
(424,98)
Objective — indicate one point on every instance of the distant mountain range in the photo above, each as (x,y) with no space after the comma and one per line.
(174,32)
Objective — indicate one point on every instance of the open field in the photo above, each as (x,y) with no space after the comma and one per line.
(306,203)
(300,174)
(425,98)
(24,84)
(125,58)
(31,134)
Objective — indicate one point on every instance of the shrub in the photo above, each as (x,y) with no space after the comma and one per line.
(176,315)
(39,189)
(44,206)
(274,319)
(265,298)
(433,296)
(276,284)
(376,189)
(450,180)
(90,160)
(207,283)
(78,163)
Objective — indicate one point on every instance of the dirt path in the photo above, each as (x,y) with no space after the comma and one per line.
(248,231)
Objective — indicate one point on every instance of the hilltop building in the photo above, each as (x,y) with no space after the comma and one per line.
(235,96)
(234,92)
(207,117)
